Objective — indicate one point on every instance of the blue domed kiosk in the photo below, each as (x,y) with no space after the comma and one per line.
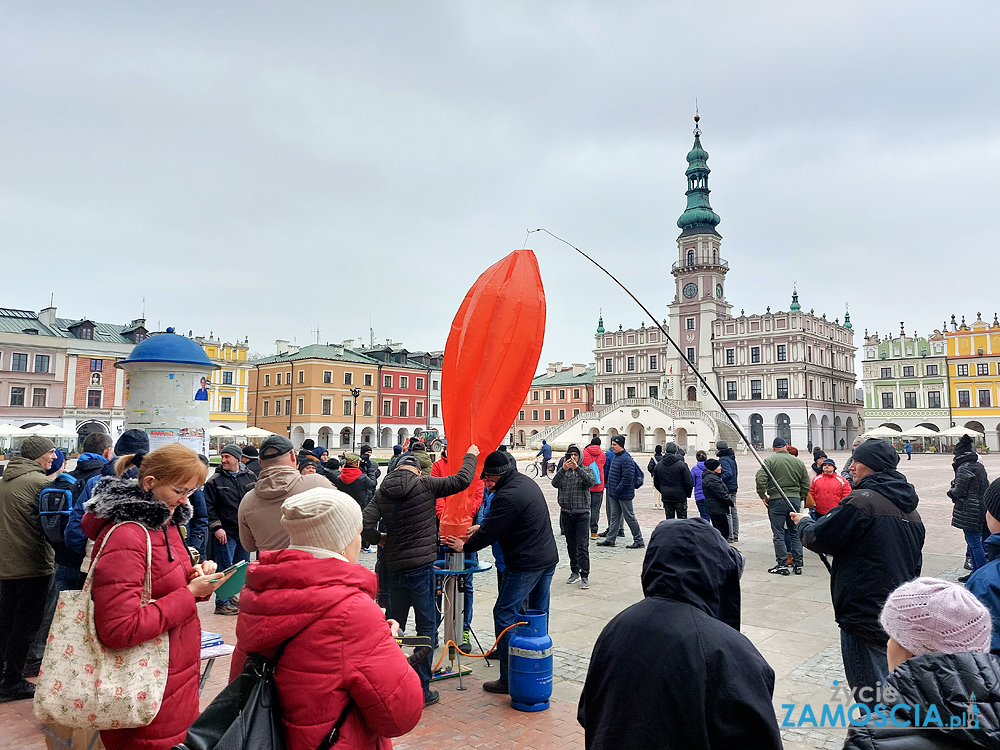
(168,380)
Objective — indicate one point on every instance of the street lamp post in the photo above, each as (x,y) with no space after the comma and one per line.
(354,434)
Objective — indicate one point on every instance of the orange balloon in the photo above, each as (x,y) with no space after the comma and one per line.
(489,362)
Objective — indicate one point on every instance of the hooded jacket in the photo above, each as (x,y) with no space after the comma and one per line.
(260,511)
(407,504)
(948,681)
(621,476)
(673,479)
(876,538)
(355,483)
(574,489)
(26,553)
(120,619)
(984,584)
(223,494)
(828,490)
(690,579)
(340,650)
(518,520)
(592,454)
(968,492)
(730,472)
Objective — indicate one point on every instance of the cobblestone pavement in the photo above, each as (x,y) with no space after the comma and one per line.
(789,620)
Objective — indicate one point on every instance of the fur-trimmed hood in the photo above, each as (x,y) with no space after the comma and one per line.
(121,500)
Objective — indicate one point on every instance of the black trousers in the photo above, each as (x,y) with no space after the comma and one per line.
(721,522)
(577,527)
(675,510)
(596,501)
(22,604)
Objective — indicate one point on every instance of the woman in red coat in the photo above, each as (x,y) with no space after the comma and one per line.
(158,501)
(340,648)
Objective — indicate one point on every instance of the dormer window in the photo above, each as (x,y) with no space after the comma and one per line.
(86,332)
(138,336)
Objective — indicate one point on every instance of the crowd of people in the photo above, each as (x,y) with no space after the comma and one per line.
(308,517)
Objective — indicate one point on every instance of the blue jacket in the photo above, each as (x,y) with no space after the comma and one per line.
(197,527)
(545,452)
(696,472)
(621,477)
(76,540)
(984,584)
(730,473)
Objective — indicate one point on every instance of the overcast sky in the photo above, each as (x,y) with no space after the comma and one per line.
(266,169)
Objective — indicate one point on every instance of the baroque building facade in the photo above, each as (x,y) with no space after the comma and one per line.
(788,373)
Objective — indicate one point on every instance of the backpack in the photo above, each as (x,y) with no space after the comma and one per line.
(596,471)
(55,504)
(639,477)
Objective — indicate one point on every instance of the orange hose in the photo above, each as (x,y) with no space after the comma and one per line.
(476,656)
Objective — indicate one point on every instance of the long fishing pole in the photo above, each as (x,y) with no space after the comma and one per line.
(708,388)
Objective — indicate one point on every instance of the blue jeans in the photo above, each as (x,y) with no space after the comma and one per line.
(227,555)
(974,540)
(864,664)
(778,513)
(415,588)
(519,590)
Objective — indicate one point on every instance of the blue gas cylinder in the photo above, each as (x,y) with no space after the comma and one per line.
(529,673)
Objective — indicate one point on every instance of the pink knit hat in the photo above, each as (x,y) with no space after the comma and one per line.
(931,616)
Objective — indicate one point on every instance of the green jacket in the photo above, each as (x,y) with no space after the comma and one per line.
(26,553)
(791,475)
(425,462)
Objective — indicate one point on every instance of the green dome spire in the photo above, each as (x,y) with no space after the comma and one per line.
(795,306)
(698,217)
(600,323)
(847,320)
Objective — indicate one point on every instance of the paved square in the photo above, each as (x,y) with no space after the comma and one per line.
(789,619)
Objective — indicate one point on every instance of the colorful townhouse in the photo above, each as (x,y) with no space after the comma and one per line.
(974,374)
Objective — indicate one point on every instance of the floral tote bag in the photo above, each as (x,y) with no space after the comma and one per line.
(84,685)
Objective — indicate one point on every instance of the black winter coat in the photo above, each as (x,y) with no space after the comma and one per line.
(353,481)
(876,537)
(968,493)
(718,500)
(407,504)
(673,479)
(702,684)
(223,494)
(948,681)
(519,521)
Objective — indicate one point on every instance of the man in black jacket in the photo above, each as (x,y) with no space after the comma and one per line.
(406,503)
(519,521)
(672,478)
(702,684)
(876,538)
(224,491)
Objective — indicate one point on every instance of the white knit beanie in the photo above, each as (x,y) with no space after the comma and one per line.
(931,616)
(321,517)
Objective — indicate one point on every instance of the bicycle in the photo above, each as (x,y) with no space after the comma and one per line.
(534,469)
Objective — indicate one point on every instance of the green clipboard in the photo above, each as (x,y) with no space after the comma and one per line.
(234,583)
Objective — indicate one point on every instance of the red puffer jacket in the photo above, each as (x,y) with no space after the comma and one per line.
(341,649)
(122,622)
(828,490)
(594,454)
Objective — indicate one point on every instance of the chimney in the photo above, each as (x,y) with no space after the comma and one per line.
(578,369)
(552,369)
(281,346)
(47,316)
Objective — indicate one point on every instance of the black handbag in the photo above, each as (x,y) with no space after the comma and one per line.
(245,714)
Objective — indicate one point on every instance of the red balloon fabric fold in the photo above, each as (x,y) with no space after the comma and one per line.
(489,361)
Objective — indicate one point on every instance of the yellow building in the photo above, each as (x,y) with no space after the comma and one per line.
(974,372)
(230,385)
(307,393)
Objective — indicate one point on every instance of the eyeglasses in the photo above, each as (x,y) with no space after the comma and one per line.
(186,493)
